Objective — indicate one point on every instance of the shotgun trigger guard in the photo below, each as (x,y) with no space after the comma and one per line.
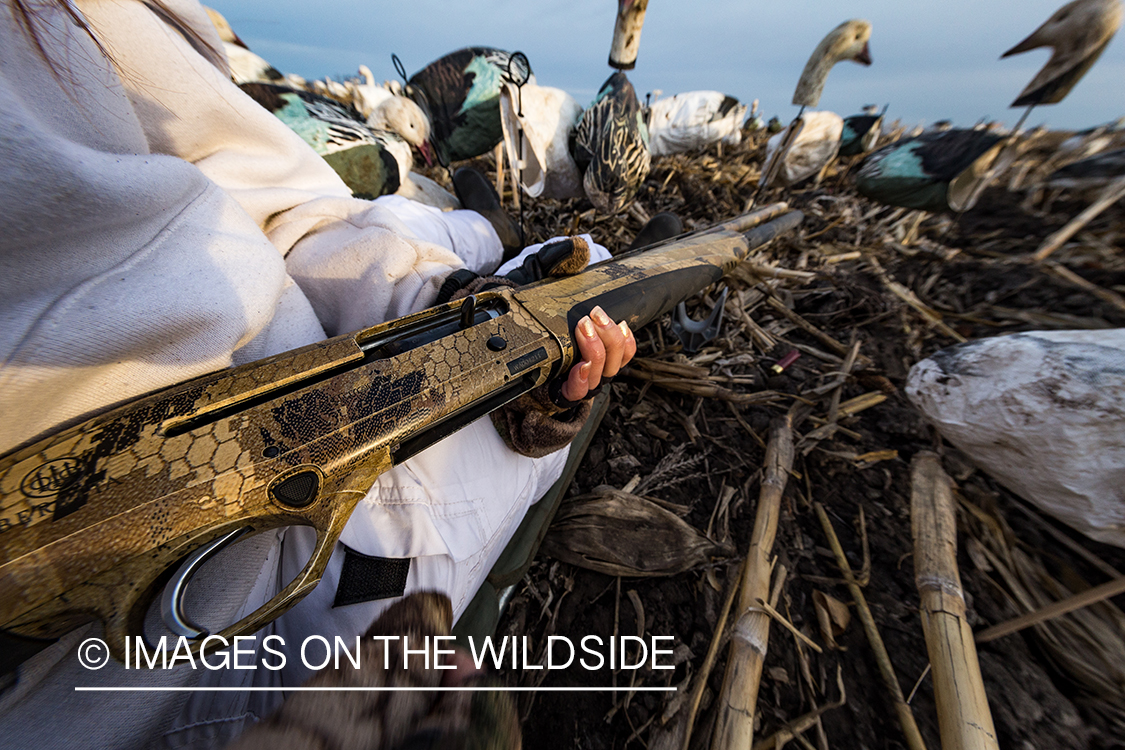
(692,333)
(172,601)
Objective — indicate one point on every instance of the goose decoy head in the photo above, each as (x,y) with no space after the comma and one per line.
(627,33)
(848,41)
(222,26)
(402,116)
(1078,33)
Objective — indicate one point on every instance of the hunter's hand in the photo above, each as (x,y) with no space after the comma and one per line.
(605,347)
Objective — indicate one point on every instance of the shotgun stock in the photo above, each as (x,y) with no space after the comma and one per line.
(96,518)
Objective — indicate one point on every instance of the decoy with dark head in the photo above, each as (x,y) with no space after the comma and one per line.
(611,146)
(460,95)
(949,170)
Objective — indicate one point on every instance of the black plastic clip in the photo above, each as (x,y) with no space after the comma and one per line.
(694,334)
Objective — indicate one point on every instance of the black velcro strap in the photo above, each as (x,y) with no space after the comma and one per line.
(554,392)
(366,579)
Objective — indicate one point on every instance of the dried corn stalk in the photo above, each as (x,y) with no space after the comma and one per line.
(962,705)
(750,636)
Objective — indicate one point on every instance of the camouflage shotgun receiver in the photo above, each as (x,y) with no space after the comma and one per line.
(95,519)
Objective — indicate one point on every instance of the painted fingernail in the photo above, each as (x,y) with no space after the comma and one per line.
(587,328)
(584,371)
(600,317)
(625,329)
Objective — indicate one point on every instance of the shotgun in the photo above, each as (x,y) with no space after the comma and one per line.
(96,519)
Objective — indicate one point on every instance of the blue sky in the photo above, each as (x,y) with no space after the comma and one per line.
(932,60)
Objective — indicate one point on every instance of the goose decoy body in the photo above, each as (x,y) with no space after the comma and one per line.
(370,162)
(861,133)
(802,149)
(332,89)
(935,171)
(460,95)
(539,123)
(383,107)
(366,95)
(948,171)
(812,140)
(1078,33)
(1091,172)
(1040,412)
(611,146)
(692,120)
(1092,140)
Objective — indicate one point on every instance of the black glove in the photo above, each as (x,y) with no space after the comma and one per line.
(561,258)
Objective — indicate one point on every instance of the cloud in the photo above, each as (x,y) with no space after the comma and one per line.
(931,60)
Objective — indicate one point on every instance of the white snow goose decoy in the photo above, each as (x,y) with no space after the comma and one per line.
(692,120)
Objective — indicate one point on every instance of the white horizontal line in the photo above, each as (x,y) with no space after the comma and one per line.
(475,689)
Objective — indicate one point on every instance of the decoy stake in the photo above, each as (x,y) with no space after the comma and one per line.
(694,334)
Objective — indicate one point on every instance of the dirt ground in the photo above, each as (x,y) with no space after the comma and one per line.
(694,449)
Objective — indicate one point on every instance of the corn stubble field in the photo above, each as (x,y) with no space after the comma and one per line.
(860,293)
